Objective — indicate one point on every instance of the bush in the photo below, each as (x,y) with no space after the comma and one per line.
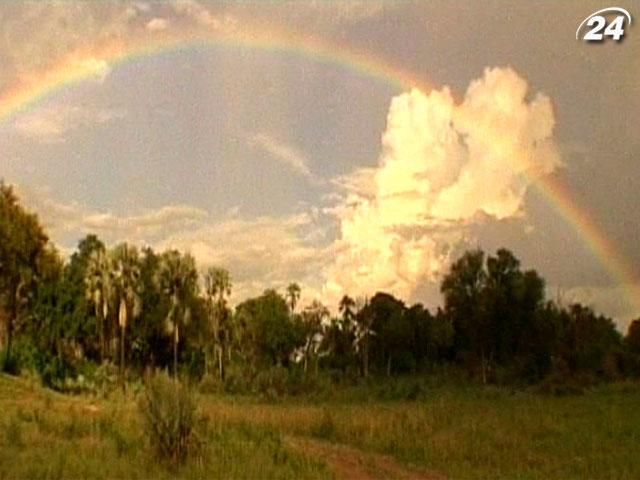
(325,428)
(9,364)
(170,418)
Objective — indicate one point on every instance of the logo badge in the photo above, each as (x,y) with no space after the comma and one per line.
(600,28)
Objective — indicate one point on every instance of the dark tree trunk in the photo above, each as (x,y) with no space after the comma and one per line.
(176,338)
(122,339)
(11,318)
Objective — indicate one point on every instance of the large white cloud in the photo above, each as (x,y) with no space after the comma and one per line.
(444,165)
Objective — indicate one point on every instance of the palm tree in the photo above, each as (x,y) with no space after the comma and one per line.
(363,333)
(98,291)
(293,295)
(217,289)
(177,278)
(125,268)
(313,318)
(346,307)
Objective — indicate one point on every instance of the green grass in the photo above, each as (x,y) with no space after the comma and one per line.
(459,431)
(475,432)
(51,436)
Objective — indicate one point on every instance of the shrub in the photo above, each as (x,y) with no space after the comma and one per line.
(10,364)
(325,428)
(170,416)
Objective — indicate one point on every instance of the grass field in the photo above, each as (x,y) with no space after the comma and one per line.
(451,432)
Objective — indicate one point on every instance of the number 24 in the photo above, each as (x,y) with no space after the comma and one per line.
(615,29)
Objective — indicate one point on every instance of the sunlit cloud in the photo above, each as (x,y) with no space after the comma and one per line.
(157,24)
(260,253)
(444,165)
(263,252)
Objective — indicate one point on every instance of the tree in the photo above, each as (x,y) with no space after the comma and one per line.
(432,335)
(347,309)
(312,320)
(363,333)
(178,280)
(269,335)
(591,340)
(217,283)
(22,246)
(462,288)
(126,288)
(81,320)
(150,345)
(99,291)
(293,295)
(393,347)
(632,338)
(339,337)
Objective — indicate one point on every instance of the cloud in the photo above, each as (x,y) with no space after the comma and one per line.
(83,28)
(203,16)
(75,26)
(262,252)
(73,219)
(444,165)
(157,24)
(288,155)
(50,124)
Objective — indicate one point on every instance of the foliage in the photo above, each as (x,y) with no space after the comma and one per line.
(144,310)
(177,279)
(170,419)
(53,436)
(268,333)
(23,250)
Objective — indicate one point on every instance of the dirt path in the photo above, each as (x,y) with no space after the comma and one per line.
(346,462)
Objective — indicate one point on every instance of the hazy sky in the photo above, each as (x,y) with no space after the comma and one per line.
(283,166)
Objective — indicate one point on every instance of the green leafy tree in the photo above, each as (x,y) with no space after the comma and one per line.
(632,338)
(99,292)
(269,335)
(125,266)
(312,322)
(463,290)
(394,334)
(339,337)
(178,281)
(217,282)
(592,341)
(363,333)
(150,345)
(22,246)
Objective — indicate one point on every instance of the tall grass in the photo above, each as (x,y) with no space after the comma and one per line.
(52,436)
(460,431)
(475,432)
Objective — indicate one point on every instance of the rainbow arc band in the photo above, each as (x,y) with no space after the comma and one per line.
(84,65)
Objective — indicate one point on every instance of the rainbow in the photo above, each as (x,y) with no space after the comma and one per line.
(94,63)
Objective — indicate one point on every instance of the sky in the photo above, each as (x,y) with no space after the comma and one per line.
(348,146)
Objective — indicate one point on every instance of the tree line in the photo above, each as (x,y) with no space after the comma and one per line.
(137,309)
